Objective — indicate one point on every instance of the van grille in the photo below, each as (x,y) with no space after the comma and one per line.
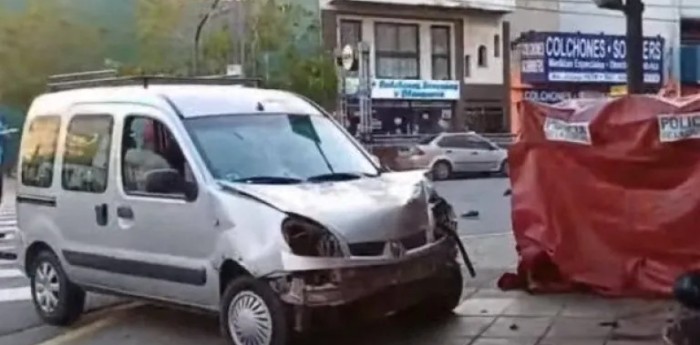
(377,248)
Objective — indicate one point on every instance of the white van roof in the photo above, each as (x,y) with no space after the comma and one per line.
(188,100)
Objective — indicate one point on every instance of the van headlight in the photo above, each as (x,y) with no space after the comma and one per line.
(308,238)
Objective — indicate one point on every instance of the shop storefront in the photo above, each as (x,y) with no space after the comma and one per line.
(556,66)
(406,107)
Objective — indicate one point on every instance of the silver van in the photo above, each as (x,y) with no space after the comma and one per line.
(250,203)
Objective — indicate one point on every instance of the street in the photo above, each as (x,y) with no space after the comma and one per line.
(147,324)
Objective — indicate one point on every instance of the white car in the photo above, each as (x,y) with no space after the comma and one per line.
(447,153)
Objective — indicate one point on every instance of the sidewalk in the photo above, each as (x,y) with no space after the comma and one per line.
(489,316)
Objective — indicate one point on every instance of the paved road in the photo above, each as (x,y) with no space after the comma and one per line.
(17,317)
(152,325)
(484,195)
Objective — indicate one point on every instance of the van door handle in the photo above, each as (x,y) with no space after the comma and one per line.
(448,151)
(101,214)
(125,212)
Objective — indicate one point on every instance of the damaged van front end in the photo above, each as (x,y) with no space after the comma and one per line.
(368,247)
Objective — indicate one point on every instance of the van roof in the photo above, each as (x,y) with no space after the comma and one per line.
(188,100)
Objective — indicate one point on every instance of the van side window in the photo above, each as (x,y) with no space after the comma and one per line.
(86,153)
(149,146)
(39,151)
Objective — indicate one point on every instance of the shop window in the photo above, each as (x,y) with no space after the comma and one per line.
(482,58)
(397,51)
(467,66)
(496,46)
(441,52)
(38,151)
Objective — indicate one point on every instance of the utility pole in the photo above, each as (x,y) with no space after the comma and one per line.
(634,41)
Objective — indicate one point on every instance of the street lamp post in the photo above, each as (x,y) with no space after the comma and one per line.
(634,40)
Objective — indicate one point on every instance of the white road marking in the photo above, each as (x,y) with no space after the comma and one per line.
(16,294)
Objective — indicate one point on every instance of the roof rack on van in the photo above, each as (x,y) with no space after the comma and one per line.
(63,82)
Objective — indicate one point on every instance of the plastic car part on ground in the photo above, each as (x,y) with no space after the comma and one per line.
(605,195)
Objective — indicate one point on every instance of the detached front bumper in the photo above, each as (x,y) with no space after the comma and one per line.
(341,281)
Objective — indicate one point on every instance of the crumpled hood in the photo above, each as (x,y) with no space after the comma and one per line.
(387,207)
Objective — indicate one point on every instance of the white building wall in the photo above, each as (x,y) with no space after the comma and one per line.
(661,18)
(424,40)
(477,31)
(480,31)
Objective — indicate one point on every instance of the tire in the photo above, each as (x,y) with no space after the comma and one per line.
(253,297)
(442,170)
(57,300)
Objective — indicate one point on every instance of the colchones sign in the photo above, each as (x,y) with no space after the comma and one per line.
(586,58)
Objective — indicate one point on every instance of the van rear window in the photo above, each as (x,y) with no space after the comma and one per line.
(38,151)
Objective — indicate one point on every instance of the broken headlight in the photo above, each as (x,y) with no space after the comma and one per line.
(308,238)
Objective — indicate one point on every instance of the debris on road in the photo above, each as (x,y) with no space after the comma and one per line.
(471,214)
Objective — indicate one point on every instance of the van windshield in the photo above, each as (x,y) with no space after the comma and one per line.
(276,148)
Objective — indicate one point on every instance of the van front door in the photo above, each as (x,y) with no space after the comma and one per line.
(172,236)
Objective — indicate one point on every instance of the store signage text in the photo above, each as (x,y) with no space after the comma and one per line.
(592,58)
(416,89)
(549,96)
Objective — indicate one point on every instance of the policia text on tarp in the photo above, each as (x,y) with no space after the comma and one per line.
(679,127)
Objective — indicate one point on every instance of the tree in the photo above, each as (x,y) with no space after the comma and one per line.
(161,38)
(39,42)
(284,40)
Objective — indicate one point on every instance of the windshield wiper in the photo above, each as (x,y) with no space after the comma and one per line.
(339,176)
(269,180)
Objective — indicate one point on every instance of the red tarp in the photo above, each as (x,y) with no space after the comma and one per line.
(604,204)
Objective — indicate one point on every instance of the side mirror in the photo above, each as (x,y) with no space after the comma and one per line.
(169,181)
(686,290)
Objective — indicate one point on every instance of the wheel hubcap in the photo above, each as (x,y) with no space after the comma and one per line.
(249,320)
(46,287)
(441,171)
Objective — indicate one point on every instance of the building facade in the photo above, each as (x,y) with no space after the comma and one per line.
(583,20)
(432,62)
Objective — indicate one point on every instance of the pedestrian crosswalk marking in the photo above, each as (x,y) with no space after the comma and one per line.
(11,273)
(16,294)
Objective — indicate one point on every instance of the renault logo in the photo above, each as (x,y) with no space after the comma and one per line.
(396,249)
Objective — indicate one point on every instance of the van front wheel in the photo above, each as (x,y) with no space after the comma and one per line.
(57,301)
(252,314)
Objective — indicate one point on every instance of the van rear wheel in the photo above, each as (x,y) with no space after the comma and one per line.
(252,314)
(57,301)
